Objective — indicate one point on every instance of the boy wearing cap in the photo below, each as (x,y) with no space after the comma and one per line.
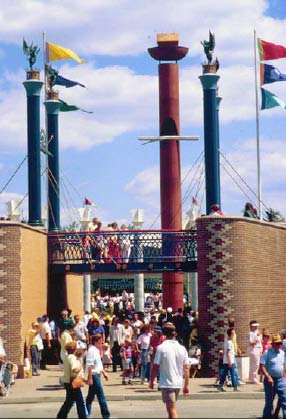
(172,359)
(32,344)
(272,366)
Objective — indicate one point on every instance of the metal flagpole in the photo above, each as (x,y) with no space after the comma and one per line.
(46,124)
(259,188)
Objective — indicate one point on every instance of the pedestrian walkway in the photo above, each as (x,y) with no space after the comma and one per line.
(46,388)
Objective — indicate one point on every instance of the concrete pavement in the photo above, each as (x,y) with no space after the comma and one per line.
(46,388)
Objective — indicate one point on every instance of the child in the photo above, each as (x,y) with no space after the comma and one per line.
(106,356)
(126,355)
(220,368)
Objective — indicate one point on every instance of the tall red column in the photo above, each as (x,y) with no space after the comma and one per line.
(170,173)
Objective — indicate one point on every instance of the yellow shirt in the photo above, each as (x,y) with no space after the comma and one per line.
(32,337)
(65,338)
(70,363)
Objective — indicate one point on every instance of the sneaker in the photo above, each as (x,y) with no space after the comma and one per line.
(235,389)
(220,388)
(229,384)
(130,383)
(124,383)
(241,383)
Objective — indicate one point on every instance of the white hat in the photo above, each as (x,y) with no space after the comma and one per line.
(169,310)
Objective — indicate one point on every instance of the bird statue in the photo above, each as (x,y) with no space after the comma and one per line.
(209,47)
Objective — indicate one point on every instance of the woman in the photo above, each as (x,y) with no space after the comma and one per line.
(254,351)
(128,331)
(249,211)
(72,368)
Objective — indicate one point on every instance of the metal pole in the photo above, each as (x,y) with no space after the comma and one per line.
(33,90)
(259,187)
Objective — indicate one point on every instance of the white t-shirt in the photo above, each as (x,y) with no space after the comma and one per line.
(171,357)
(228,345)
(93,360)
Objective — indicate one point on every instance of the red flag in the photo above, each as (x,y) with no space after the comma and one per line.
(87,201)
(269,51)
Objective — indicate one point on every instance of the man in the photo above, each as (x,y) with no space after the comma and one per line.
(80,330)
(46,335)
(272,366)
(172,359)
(95,369)
(116,334)
(66,338)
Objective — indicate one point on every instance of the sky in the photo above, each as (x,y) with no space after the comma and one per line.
(100,155)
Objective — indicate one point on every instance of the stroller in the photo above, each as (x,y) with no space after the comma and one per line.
(7,377)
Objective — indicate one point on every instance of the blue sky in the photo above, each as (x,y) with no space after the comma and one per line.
(101,157)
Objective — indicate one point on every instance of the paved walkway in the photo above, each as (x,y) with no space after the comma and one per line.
(46,388)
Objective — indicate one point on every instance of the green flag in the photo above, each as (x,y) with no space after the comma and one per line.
(68,108)
(269,100)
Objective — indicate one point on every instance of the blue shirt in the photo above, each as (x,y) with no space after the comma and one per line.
(273,362)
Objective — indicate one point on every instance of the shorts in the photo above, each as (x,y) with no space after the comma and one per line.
(170,394)
(127,365)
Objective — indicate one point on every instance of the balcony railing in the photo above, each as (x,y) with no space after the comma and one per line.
(132,251)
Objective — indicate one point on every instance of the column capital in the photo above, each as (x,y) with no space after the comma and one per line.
(209,81)
(33,87)
(52,107)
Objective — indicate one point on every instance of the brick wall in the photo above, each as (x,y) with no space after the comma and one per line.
(23,284)
(241,270)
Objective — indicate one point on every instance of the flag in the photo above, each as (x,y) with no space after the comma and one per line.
(62,81)
(269,100)
(89,202)
(270,74)
(195,202)
(268,51)
(56,52)
(54,78)
(69,108)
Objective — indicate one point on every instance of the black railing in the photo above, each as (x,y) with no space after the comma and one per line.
(132,251)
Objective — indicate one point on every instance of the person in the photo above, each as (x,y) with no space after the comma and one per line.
(228,362)
(95,369)
(106,356)
(172,359)
(80,329)
(66,337)
(249,211)
(72,368)
(215,211)
(126,355)
(237,350)
(46,335)
(272,366)
(254,351)
(144,343)
(32,344)
(116,334)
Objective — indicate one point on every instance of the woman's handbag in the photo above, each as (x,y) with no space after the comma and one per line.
(77,382)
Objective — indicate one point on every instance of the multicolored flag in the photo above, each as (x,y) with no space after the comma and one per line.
(269,51)
(270,74)
(269,100)
(89,202)
(69,108)
(57,52)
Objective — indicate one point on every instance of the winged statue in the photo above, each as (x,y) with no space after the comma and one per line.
(31,52)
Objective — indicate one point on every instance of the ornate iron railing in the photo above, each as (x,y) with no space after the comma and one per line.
(132,251)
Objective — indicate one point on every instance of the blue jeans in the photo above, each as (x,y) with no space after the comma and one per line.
(35,358)
(235,372)
(97,389)
(73,396)
(225,370)
(144,364)
(279,388)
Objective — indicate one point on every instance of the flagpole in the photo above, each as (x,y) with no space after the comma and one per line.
(46,122)
(259,188)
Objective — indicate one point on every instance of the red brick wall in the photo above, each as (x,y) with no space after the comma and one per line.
(241,272)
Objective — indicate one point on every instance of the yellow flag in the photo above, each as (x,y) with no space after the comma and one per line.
(56,52)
